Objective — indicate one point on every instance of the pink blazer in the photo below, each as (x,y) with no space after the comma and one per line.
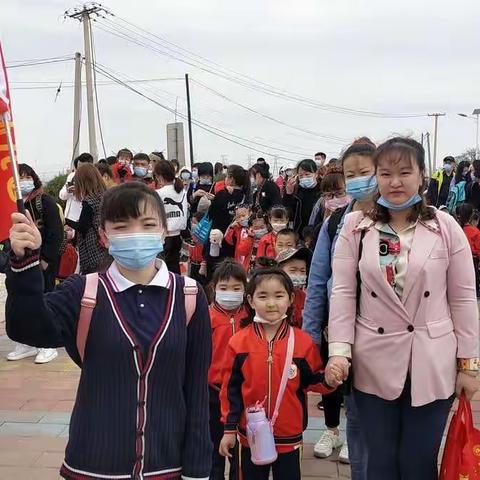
(423,334)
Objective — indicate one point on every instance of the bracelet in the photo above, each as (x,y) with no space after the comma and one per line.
(471,364)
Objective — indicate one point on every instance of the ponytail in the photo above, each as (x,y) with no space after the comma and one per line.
(178,185)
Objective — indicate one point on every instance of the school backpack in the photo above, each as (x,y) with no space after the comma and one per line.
(334,221)
(456,196)
(89,300)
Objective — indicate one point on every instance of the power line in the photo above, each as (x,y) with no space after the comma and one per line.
(250,82)
(71,84)
(213,130)
(33,64)
(330,138)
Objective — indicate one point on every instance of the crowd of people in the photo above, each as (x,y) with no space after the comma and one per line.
(203,304)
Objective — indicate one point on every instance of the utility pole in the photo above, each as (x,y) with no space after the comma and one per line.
(430,171)
(83,15)
(77,105)
(435,135)
(190,138)
(476,113)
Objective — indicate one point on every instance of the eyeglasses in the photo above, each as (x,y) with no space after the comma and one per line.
(330,195)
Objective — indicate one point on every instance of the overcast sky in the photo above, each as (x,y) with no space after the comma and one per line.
(370,55)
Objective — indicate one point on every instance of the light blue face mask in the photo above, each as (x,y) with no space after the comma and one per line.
(360,188)
(307,182)
(135,251)
(139,171)
(26,187)
(398,208)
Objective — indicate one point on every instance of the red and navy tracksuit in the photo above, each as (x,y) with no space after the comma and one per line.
(253,368)
(225,323)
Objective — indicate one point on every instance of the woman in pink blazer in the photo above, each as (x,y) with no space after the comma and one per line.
(404,311)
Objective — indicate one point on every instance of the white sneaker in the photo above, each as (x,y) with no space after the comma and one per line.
(22,351)
(327,443)
(46,355)
(343,456)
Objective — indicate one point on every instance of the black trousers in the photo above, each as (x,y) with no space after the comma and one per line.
(286,467)
(171,253)
(403,441)
(216,434)
(332,402)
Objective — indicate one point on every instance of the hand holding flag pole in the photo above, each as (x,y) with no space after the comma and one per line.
(13,163)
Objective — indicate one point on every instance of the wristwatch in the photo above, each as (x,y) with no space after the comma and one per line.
(468,364)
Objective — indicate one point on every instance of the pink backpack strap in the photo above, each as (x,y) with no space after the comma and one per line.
(89,300)
(286,371)
(190,290)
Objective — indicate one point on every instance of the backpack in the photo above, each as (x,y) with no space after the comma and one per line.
(68,262)
(334,221)
(89,300)
(456,196)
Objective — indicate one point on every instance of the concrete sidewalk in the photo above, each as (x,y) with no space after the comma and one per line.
(35,406)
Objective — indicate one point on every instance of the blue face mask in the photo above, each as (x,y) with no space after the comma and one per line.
(26,187)
(140,171)
(135,251)
(307,182)
(360,188)
(398,208)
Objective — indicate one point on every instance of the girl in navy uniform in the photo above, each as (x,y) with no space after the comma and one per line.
(142,403)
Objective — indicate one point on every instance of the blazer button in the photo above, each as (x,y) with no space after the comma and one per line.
(426,294)
(410,328)
(374,295)
(381,330)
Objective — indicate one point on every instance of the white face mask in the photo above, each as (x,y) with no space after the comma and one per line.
(298,280)
(258,319)
(278,226)
(229,300)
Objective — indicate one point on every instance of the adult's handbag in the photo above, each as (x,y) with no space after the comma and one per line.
(259,428)
(202,230)
(461,457)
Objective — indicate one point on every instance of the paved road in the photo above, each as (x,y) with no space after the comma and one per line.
(35,406)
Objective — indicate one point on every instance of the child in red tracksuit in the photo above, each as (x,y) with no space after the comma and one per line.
(238,230)
(278,219)
(294,262)
(253,367)
(229,282)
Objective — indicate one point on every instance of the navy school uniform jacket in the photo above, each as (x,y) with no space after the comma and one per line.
(141,410)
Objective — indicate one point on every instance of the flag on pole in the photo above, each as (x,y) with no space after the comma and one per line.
(7,184)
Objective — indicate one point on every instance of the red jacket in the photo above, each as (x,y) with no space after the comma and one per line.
(473,237)
(195,253)
(253,370)
(233,236)
(298,306)
(245,248)
(266,246)
(224,325)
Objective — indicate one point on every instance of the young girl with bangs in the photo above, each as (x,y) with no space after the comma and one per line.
(246,382)
(141,336)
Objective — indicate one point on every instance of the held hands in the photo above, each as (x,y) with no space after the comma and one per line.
(466,383)
(24,234)
(227,443)
(336,371)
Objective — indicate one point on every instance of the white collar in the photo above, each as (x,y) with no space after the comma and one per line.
(120,283)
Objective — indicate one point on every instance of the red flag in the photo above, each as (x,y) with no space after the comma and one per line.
(7,184)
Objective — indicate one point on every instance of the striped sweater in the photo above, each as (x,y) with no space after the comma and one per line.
(137,415)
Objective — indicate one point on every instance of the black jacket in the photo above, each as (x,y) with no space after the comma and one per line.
(222,209)
(301,204)
(267,196)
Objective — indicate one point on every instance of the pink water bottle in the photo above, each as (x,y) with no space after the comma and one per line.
(260,437)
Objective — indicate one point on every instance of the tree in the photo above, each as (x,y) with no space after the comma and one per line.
(54,186)
(469,155)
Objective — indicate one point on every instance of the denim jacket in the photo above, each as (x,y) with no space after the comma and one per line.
(315,313)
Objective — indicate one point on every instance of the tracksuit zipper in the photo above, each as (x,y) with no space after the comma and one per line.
(270,363)
(232,323)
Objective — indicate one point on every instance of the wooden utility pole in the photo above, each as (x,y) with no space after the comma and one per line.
(77,105)
(430,171)
(190,138)
(435,136)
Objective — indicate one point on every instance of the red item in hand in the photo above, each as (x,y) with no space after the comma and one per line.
(461,457)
